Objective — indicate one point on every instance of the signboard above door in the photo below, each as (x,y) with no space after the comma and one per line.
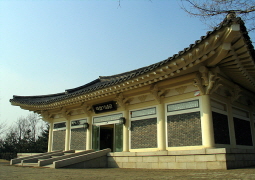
(105,107)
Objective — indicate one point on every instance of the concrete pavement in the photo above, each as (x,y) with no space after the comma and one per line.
(8,172)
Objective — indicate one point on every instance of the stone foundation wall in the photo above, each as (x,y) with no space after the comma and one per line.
(219,158)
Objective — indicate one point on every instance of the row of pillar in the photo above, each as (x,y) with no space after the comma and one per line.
(206,118)
(67,135)
(207,126)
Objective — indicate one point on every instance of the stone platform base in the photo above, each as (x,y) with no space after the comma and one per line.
(218,158)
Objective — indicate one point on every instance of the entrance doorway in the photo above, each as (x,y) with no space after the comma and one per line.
(106,137)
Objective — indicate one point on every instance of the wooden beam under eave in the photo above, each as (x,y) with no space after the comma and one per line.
(29,108)
(233,30)
(224,50)
(233,63)
(246,59)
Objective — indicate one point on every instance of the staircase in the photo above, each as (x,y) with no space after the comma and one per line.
(67,159)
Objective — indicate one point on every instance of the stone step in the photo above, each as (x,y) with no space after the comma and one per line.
(68,153)
(56,156)
(30,164)
(48,166)
(83,159)
(18,164)
(41,159)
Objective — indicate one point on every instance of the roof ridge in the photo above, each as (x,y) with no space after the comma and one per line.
(83,86)
(125,74)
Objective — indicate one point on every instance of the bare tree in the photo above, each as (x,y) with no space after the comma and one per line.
(2,128)
(21,127)
(211,11)
(33,121)
(27,134)
(29,125)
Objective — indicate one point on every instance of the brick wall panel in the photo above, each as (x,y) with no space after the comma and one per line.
(221,128)
(59,140)
(184,129)
(78,139)
(243,132)
(144,133)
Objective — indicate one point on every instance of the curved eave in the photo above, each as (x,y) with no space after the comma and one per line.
(238,62)
(205,50)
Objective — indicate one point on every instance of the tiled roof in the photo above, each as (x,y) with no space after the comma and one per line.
(107,81)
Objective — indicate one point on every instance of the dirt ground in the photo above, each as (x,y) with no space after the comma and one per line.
(8,172)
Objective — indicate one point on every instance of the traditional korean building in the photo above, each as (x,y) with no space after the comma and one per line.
(194,110)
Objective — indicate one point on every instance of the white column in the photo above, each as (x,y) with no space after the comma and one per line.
(126,132)
(207,122)
(161,127)
(89,134)
(68,130)
(50,137)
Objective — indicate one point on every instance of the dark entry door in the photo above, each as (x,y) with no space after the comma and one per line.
(106,137)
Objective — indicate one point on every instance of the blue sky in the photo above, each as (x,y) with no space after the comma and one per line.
(49,46)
